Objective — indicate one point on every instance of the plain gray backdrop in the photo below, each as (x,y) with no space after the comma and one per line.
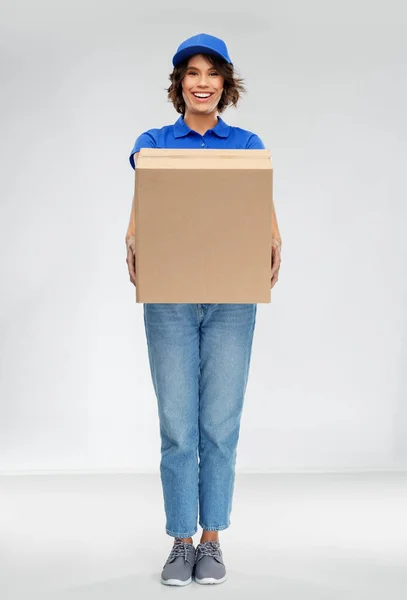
(327,93)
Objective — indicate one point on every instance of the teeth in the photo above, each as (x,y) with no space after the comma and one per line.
(202,95)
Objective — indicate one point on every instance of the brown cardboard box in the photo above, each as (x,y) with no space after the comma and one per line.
(203,225)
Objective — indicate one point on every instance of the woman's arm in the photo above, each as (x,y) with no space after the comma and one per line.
(130,234)
(275,232)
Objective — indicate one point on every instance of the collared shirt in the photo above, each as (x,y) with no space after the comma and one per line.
(179,135)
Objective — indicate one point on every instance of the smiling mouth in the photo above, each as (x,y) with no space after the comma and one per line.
(202,95)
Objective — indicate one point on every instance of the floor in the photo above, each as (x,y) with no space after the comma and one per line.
(293,536)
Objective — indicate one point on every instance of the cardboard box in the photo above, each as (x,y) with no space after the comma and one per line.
(203,226)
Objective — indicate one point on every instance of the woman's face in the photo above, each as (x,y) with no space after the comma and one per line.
(202,86)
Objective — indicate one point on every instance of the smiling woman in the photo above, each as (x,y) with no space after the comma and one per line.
(199,353)
(204,73)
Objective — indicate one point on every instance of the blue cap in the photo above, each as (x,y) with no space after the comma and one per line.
(202,43)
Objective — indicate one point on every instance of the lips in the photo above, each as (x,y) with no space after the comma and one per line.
(204,97)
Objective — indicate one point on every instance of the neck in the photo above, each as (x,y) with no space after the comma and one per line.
(200,123)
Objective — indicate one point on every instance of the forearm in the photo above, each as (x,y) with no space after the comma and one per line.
(275,232)
(131,227)
(131,233)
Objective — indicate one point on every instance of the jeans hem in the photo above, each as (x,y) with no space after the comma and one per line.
(216,528)
(182,535)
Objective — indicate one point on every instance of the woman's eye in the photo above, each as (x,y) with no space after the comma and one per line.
(195,73)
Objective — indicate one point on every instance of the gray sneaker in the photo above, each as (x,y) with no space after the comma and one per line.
(179,565)
(209,566)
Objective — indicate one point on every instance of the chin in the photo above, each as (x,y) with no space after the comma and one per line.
(205,109)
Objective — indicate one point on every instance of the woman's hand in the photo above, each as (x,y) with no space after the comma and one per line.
(131,258)
(275,262)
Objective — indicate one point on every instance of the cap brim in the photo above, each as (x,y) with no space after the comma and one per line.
(192,50)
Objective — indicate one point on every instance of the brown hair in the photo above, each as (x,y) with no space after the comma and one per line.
(232,87)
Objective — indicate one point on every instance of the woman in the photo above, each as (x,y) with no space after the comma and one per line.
(199,353)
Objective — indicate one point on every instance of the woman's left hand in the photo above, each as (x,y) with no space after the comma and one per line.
(275,262)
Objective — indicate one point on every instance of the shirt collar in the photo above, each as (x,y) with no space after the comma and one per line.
(181,129)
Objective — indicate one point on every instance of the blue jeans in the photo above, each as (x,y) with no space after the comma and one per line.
(199,358)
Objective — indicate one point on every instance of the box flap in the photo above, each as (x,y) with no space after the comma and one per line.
(182,158)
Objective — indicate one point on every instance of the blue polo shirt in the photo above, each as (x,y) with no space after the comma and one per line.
(179,135)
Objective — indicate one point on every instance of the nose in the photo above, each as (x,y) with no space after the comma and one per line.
(202,81)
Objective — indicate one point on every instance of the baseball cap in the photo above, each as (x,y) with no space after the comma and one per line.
(203,43)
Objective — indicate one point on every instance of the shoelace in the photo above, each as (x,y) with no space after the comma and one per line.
(180,548)
(209,549)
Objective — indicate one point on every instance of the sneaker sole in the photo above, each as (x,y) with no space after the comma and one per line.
(208,580)
(176,581)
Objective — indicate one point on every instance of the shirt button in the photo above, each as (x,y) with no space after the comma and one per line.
(203,144)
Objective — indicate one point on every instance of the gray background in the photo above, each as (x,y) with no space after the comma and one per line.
(327,94)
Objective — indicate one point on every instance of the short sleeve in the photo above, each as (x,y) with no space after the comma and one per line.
(255,143)
(145,140)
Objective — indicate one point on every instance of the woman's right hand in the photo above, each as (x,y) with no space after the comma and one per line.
(131,259)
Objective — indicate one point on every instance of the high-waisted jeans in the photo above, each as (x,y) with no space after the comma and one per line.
(199,359)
